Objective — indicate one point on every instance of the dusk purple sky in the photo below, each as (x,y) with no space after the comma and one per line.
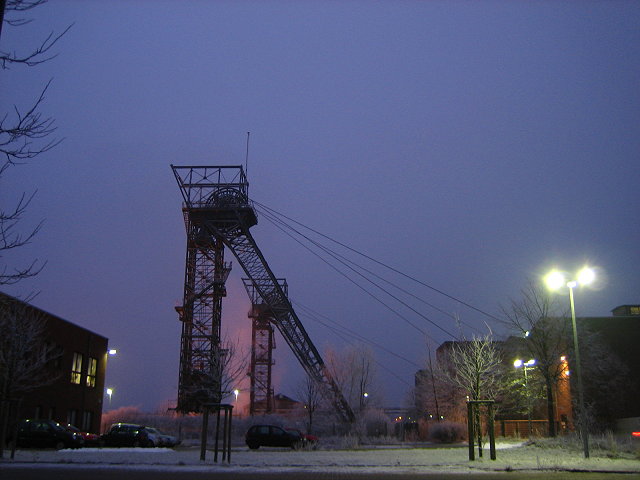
(471,145)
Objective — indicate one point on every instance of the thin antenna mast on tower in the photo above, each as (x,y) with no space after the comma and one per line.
(246,158)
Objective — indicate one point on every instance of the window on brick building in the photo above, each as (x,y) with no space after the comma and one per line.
(76,368)
(92,369)
(87,421)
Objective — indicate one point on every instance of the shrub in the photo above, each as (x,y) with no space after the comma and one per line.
(447,432)
(349,442)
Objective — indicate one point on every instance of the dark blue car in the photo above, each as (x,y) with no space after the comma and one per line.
(272,436)
(33,433)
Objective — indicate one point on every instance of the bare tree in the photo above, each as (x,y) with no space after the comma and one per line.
(476,367)
(310,392)
(24,134)
(221,374)
(26,359)
(437,397)
(233,367)
(11,238)
(40,54)
(355,374)
(538,319)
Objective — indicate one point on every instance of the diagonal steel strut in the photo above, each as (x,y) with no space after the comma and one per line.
(242,244)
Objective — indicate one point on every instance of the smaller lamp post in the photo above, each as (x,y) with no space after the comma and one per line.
(109,393)
(519,363)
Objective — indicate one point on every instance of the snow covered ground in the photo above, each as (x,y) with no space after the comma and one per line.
(510,457)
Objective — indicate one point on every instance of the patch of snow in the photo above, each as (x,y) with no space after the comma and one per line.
(510,457)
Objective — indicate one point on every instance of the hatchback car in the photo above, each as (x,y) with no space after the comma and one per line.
(126,435)
(46,434)
(272,436)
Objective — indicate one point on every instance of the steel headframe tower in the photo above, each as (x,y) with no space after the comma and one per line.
(207,194)
(217,212)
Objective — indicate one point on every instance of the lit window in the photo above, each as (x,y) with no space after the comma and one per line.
(91,372)
(76,368)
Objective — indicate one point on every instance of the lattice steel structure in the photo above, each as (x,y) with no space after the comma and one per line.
(217,212)
(262,345)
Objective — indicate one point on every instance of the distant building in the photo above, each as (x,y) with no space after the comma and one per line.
(285,405)
(78,371)
(610,356)
(620,333)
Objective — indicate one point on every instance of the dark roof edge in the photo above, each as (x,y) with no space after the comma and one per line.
(33,307)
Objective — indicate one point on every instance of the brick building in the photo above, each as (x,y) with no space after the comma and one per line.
(76,370)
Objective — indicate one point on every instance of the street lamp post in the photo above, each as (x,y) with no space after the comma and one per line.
(583,416)
(109,393)
(555,280)
(519,363)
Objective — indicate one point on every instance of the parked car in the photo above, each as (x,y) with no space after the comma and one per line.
(46,434)
(168,440)
(161,439)
(154,437)
(309,440)
(90,439)
(272,436)
(126,435)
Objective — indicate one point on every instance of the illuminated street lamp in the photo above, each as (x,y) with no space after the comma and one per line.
(236,392)
(109,391)
(555,280)
(519,363)
(363,400)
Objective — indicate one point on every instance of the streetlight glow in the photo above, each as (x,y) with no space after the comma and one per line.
(113,351)
(519,363)
(586,276)
(555,280)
